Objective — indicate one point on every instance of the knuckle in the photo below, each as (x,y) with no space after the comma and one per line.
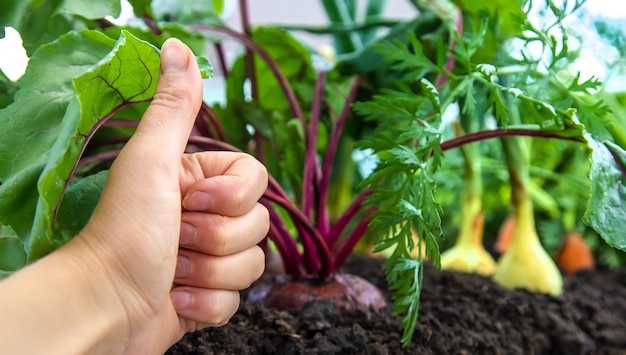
(259,265)
(255,267)
(224,310)
(265,219)
(262,171)
(239,197)
(170,97)
(261,176)
(212,276)
(220,236)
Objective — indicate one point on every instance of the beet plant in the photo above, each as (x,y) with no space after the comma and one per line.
(87,87)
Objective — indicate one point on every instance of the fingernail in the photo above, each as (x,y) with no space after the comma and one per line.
(183,267)
(198,201)
(181,299)
(174,56)
(187,233)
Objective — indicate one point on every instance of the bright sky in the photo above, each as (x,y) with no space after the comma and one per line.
(13,59)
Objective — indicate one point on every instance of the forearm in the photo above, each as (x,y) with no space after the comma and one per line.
(55,306)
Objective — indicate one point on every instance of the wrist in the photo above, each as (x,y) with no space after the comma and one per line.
(98,303)
(112,279)
(61,305)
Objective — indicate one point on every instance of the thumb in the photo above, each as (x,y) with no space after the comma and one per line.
(165,127)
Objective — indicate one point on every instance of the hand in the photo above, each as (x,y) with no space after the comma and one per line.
(165,289)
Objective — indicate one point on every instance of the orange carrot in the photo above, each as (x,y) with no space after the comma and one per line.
(505,235)
(575,254)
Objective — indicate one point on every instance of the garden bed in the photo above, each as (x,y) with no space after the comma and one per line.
(459,314)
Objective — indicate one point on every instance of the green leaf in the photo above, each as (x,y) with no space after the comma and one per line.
(368,60)
(218,6)
(404,276)
(31,124)
(430,92)
(293,59)
(189,11)
(7,89)
(374,9)
(343,12)
(606,208)
(590,85)
(206,68)
(127,75)
(40,21)
(142,8)
(505,15)
(90,9)
(408,58)
(405,155)
(470,42)
(195,40)
(78,204)
(445,10)
(12,254)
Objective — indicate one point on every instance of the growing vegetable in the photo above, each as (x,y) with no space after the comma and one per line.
(525,264)
(314,271)
(469,254)
(505,235)
(524,94)
(575,254)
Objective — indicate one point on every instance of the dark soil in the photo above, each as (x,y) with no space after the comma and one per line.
(459,314)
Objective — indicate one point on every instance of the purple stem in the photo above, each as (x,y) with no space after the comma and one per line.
(348,246)
(201,124)
(323,222)
(310,259)
(110,141)
(311,162)
(282,80)
(286,245)
(212,144)
(108,155)
(617,159)
(88,137)
(451,58)
(499,133)
(311,236)
(151,23)
(346,218)
(116,122)
(259,150)
(249,59)
(210,118)
(221,54)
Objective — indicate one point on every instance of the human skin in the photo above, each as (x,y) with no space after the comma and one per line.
(171,242)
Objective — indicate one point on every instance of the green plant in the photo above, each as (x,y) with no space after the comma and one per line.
(522,96)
